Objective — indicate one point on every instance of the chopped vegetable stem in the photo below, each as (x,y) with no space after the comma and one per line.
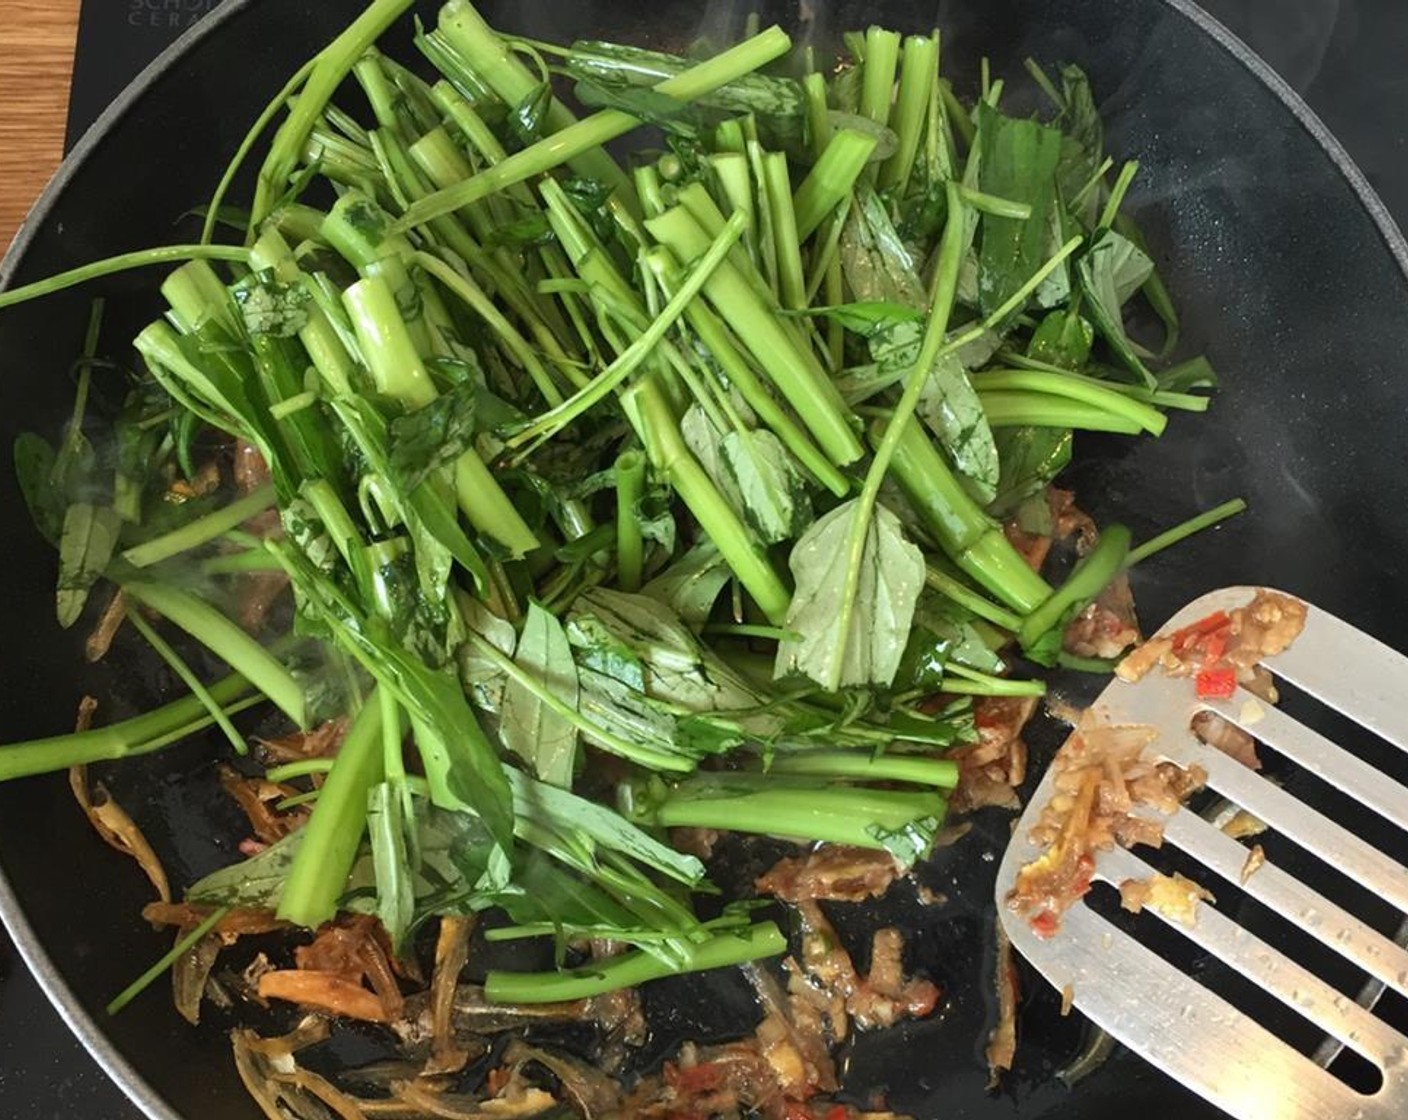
(631,969)
(189,679)
(227,641)
(318,875)
(1182,532)
(183,946)
(600,128)
(201,531)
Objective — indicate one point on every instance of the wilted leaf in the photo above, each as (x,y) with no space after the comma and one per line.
(395,888)
(433,436)
(1104,272)
(756,474)
(85,547)
(891,577)
(948,404)
(542,737)
(691,585)
(1018,163)
(875,262)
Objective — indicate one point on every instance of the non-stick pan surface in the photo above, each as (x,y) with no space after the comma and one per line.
(1288,273)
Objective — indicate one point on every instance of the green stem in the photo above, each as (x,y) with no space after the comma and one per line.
(1116,199)
(1187,529)
(131,738)
(954,589)
(228,642)
(644,345)
(919,70)
(472,41)
(598,129)
(1076,388)
(716,339)
(399,372)
(667,451)
(793,370)
(629,970)
(250,560)
(630,545)
(201,531)
(856,815)
(318,875)
(882,54)
(831,179)
(786,244)
(262,122)
(303,768)
(1090,577)
(970,682)
(945,291)
(189,679)
(966,534)
(331,65)
(180,949)
(1045,410)
(863,765)
(125,262)
(475,298)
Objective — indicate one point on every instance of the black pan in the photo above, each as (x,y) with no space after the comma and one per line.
(1289,273)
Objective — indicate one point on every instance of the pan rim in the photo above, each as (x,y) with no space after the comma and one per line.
(65,1001)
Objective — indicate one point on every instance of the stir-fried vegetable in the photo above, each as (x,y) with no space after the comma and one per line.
(703,465)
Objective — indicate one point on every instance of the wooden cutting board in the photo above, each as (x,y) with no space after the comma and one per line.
(36,64)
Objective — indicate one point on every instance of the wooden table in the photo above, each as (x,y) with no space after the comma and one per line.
(36,63)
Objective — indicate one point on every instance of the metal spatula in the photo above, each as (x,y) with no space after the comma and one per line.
(1167,1016)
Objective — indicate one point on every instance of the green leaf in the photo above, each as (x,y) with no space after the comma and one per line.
(1111,260)
(691,585)
(484,679)
(649,106)
(1154,290)
(536,733)
(943,632)
(85,548)
(1062,339)
(460,762)
(434,436)
(527,117)
(1030,458)
(548,803)
(675,666)
(523,233)
(886,142)
(876,264)
(948,405)
(1129,265)
(1196,373)
(270,307)
(1082,144)
(769,483)
(34,470)
(892,575)
(864,317)
(1018,161)
(755,473)
(395,889)
(453,847)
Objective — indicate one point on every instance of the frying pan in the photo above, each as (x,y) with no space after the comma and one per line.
(1287,269)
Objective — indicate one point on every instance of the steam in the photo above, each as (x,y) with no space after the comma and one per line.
(1293,36)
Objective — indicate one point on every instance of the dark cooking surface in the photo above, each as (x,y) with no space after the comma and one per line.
(1343,55)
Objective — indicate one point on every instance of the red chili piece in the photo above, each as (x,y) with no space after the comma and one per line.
(1217,684)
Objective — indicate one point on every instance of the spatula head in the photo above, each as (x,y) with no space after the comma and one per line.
(1167,1015)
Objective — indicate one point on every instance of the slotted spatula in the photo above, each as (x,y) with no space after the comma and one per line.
(1167,1016)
